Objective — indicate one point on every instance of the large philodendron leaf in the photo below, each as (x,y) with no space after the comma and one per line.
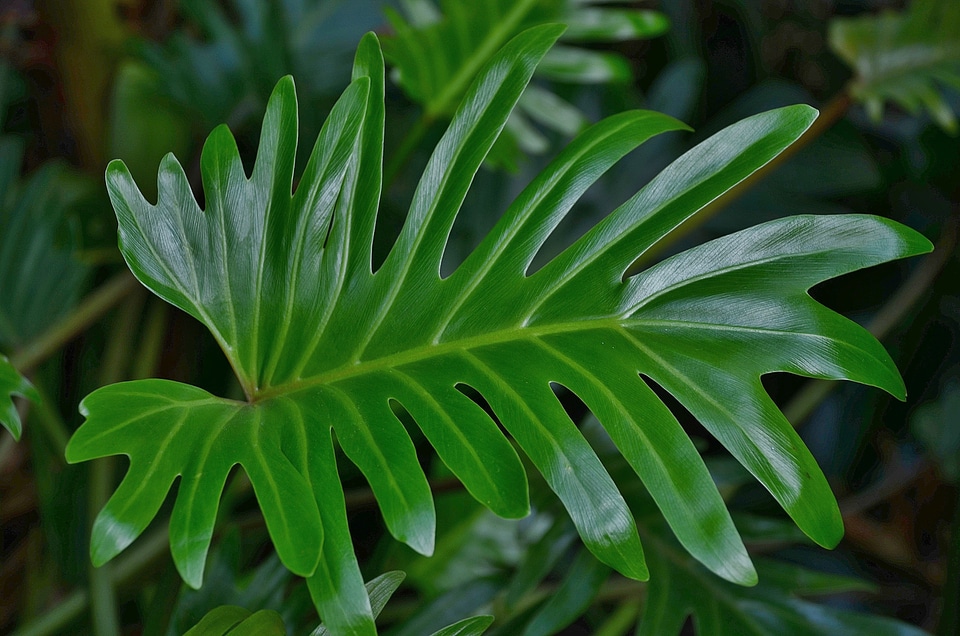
(12,383)
(904,57)
(321,342)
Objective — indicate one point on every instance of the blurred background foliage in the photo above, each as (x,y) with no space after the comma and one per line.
(84,81)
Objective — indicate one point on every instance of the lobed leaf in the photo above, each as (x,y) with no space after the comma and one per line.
(320,342)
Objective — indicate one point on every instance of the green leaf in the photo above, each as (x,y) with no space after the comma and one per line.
(579,587)
(679,588)
(168,429)
(219,621)
(582,66)
(903,57)
(236,621)
(449,606)
(467,627)
(436,60)
(379,591)
(320,342)
(222,62)
(611,25)
(40,278)
(12,383)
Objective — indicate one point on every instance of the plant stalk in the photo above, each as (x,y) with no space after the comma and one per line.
(89,311)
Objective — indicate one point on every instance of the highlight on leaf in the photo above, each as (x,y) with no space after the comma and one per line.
(322,344)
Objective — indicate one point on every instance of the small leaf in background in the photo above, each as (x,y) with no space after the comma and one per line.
(12,383)
(437,53)
(905,57)
(237,621)
(223,63)
(467,627)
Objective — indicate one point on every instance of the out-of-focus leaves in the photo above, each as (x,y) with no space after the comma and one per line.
(738,304)
(472,543)
(540,559)
(577,590)
(40,279)
(12,383)
(903,57)
(237,621)
(225,66)
(88,33)
(144,124)
(680,587)
(448,607)
(437,53)
(937,425)
(262,587)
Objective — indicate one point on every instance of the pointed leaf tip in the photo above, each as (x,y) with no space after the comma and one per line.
(11,384)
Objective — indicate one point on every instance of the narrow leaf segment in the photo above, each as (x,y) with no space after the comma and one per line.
(320,342)
(12,383)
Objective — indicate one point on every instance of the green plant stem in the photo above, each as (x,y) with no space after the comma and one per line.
(50,422)
(829,115)
(151,342)
(620,621)
(89,311)
(894,310)
(103,600)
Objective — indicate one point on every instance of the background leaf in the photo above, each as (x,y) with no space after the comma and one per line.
(12,383)
(904,57)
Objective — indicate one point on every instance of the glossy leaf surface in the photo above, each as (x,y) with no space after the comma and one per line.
(467,627)
(283,280)
(237,621)
(12,383)
(904,57)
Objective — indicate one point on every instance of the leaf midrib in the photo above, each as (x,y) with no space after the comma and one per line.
(509,334)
